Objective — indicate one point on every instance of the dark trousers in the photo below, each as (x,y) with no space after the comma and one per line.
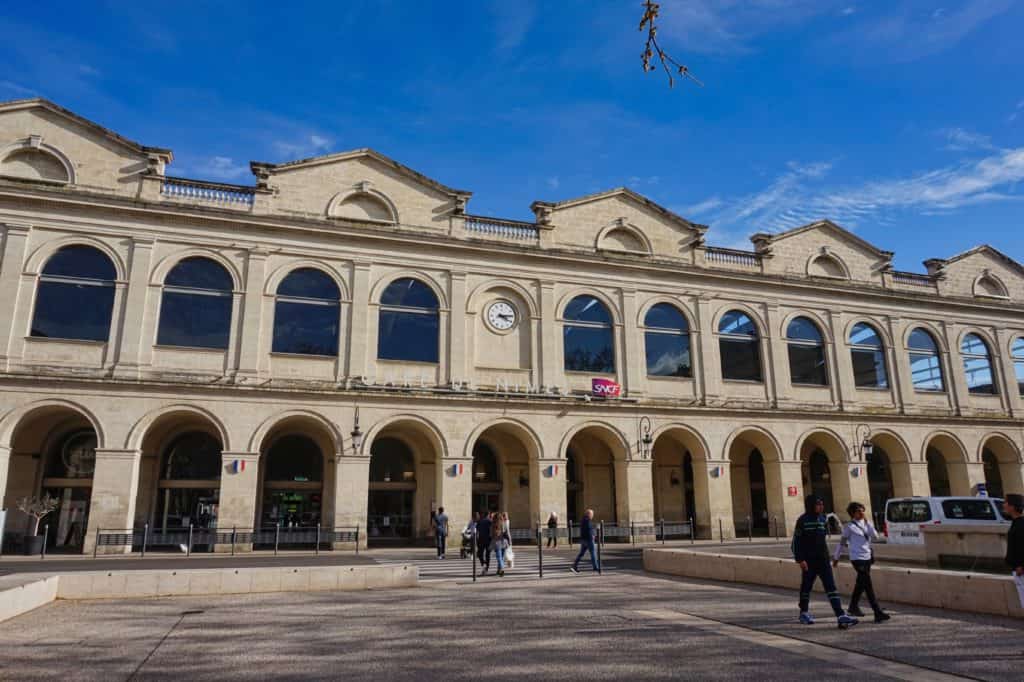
(483,553)
(587,546)
(820,569)
(552,538)
(863,585)
(440,539)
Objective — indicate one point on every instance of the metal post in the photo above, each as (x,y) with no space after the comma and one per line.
(145,538)
(234,535)
(663,530)
(777,534)
(95,547)
(46,536)
(721,537)
(357,539)
(750,529)
(540,553)
(317,550)
(632,533)
(600,530)
(473,558)
(277,536)
(693,532)
(188,550)
(569,526)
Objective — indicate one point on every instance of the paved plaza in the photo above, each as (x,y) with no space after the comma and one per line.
(622,625)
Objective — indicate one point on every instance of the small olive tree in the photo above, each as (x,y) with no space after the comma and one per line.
(37,508)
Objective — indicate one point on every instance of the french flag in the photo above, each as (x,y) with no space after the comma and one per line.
(238,466)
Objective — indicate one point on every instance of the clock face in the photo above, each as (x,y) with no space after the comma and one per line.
(501,315)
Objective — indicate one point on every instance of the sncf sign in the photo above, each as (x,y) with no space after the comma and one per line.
(605,388)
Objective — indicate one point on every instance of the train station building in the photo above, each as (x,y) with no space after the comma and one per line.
(342,342)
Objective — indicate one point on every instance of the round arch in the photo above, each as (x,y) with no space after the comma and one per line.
(166,264)
(936,333)
(599,453)
(821,324)
(677,303)
(760,438)
(1001,459)
(830,257)
(426,428)
(42,254)
(518,451)
(609,304)
(830,479)
(258,441)
(520,428)
(633,231)
(879,328)
(142,427)
(36,144)
(726,307)
(10,422)
(612,437)
(679,456)
(978,289)
(944,452)
(364,191)
(482,289)
(278,275)
(377,290)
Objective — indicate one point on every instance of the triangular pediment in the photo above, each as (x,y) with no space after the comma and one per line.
(825,227)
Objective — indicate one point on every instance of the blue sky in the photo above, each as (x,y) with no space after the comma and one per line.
(903,121)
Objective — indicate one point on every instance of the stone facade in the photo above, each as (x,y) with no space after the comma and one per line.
(367,221)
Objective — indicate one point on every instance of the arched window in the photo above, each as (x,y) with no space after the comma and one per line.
(667,340)
(409,322)
(868,356)
(977,365)
(1018,362)
(806,353)
(587,336)
(195,311)
(306,314)
(739,347)
(75,297)
(925,363)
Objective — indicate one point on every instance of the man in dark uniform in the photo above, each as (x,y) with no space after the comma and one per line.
(810,550)
(1013,506)
(483,540)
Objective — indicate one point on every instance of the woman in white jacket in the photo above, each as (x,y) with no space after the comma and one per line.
(857,536)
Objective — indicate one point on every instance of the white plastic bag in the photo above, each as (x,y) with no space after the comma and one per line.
(510,557)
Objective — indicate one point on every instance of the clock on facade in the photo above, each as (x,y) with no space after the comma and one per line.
(501,315)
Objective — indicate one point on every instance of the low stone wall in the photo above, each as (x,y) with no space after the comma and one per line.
(959,591)
(19,594)
(963,546)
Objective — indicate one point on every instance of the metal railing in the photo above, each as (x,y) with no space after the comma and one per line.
(188,539)
(912,279)
(743,259)
(505,229)
(208,192)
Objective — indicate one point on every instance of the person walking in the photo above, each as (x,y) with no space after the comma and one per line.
(483,541)
(440,531)
(586,542)
(1013,506)
(856,538)
(553,530)
(810,550)
(500,542)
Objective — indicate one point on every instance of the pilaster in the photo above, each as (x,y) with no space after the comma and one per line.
(1004,364)
(12,261)
(251,346)
(953,368)
(550,373)
(238,491)
(457,328)
(357,327)
(708,367)
(351,493)
(115,484)
(455,493)
(547,490)
(899,364)
(634,367)
(132,328)
(840,362)
(776,362)
(712,495)
(634,491)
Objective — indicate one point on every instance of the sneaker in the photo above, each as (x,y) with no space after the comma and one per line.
(881,617)
(501,573)
(806,618)
(855,611)
(574,569)
(846,621)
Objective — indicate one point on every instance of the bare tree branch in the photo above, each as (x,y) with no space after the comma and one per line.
(652,48)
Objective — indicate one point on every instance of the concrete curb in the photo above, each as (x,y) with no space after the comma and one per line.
(22,593)
(954,590)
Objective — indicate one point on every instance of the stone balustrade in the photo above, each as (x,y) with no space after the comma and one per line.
(208,192)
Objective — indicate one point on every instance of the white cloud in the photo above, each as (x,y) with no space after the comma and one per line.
(798,196)
(219,168)
(700,207)
(847,11)
(87,70)
(304,147)
(513,20)
(553,182)
(1017,111)
(17,89)
(961,140)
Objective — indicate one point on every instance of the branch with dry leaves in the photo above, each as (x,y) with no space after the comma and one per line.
(652,48)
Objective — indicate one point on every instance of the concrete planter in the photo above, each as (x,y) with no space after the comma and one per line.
(32,545)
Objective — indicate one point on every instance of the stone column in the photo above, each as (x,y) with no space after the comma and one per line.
(250,345)
(633,361)
(5,465)
(712,495)
(709,363)
(132,329)
(357,327)
(1007,371)
(634,492)
(351,494)
(547,490)
(775,358)
(846,487)
(455,493)
(457,359)
(115,485)
(844,390)
(547,334)
(12,261)
(238,491)
(975,474)
(918,479)
(953,368)
(784,508)
(899,365)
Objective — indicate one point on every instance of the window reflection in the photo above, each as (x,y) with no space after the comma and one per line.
(667,342)
(739,347)
(868,355)
(75,295)
(306,314)
(1018,363)
(806,353)
(977,365)
(587,338)
(925,363)
(409,322)
(195,310)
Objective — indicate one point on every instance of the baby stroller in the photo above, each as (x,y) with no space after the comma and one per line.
(466,550)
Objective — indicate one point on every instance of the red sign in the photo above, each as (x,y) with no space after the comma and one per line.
(792,491)
(605,388)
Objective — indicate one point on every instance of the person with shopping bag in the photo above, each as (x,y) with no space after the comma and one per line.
(500,542)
